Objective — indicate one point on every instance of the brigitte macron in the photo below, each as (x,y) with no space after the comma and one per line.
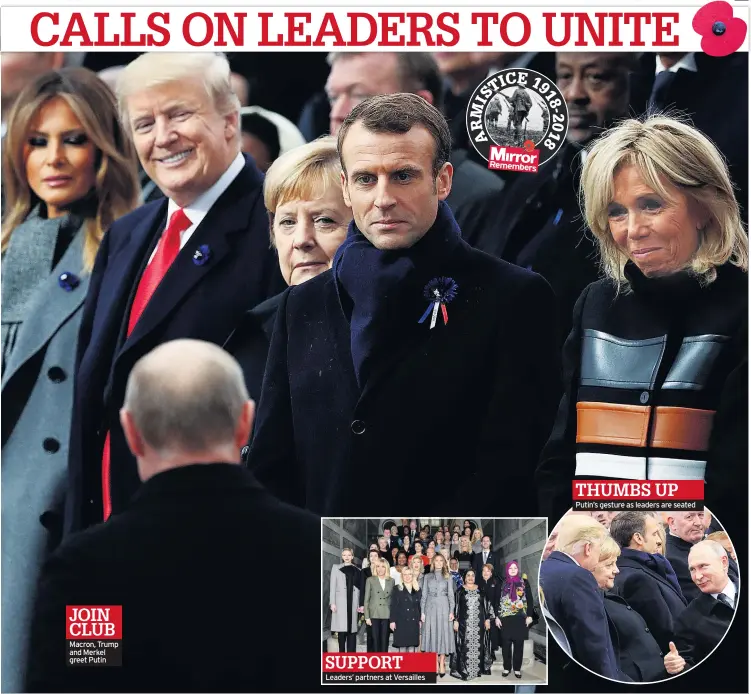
(656,364)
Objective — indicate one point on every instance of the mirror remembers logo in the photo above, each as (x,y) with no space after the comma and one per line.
(517,120)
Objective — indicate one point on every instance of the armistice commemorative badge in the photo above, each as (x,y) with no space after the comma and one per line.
(517,120)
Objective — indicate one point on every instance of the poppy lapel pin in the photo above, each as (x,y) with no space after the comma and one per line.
(439,292)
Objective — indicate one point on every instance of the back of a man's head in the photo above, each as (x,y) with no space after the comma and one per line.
(575,533)
(627,524)
(185,402)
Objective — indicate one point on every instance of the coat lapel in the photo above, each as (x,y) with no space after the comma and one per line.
(228,215)
(413,355)
(50,307)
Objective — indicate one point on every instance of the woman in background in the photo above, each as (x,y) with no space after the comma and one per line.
(366,561)
(407,546)
(473,655)
(378,591)
(385,550)
(437,608)
(464,555)
(639,655)
(405,612)
(454,546)
(477,540)
(308,221)
(490,587)
(399,564)
(69,171)
(516,609)
(418,569)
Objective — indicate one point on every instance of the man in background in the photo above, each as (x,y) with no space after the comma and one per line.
(541,225)
(475,191)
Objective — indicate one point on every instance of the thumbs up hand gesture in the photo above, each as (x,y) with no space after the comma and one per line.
(674,663)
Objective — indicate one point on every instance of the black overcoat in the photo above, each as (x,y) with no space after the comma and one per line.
(478,392)
(202,301)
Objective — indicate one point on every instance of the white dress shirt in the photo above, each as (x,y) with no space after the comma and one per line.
(729,590)
(571,558)
(382,581)
(396,576)
(687,62)
(200,207)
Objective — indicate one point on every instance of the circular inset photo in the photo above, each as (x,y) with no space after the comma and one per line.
(515,116)
(639,596)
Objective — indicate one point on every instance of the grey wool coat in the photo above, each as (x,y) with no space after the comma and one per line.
(37,399)
(338,597)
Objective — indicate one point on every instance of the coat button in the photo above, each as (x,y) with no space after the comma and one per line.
(358,427)
(644,398)
(51,445)
(646,629)
(244,453)
(56,374)
(628,608)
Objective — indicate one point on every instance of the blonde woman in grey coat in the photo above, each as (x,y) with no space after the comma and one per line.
(344,599)
(437,607)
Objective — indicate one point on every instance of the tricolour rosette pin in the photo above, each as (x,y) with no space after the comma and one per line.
(439,292)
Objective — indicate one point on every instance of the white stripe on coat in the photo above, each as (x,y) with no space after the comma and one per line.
(625,467)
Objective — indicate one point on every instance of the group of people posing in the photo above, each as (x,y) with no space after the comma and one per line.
(632,603)
(429,604)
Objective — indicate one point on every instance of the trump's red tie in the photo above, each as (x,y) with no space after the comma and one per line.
(166,252)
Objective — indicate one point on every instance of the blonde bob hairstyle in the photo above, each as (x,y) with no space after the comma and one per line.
(667,153)
(464,541)
(116,186)
(609,549)
(151,70)
(304,173)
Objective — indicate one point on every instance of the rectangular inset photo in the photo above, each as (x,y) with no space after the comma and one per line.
(432,600)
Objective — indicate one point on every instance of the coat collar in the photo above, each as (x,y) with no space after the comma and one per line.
(634,562)
(50,307)
(192,482)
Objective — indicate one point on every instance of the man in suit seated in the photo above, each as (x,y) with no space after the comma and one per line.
(685,529)
(414,349)
(646,579)
(485,556)
(186,266)
(194,615)
(573,597)
(703,624)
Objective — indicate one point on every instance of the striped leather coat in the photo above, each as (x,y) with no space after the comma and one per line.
(656,387)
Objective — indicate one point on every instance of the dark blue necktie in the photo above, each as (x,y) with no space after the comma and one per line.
(658,99)
(725,600)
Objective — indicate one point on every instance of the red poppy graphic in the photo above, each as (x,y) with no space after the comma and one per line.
(529,145)
(722,34)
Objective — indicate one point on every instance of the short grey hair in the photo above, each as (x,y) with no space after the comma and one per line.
(155,69)
(187,396)
(715,547)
